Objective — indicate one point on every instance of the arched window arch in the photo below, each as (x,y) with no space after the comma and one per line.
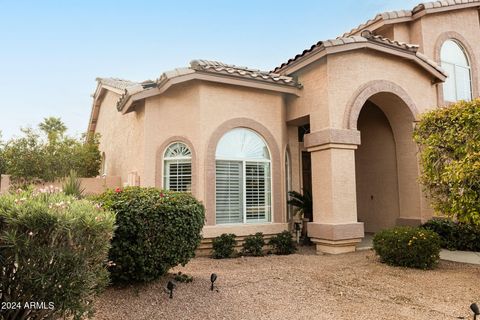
(454,60)
(243,178)
(177,173)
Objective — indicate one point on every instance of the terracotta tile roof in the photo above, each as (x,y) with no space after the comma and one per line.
(243,72)
(117,83)
(409,14)
(205,66)
(366,36)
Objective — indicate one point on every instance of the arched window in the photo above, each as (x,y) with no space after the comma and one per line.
(243,178)
(458,85)
(177,161)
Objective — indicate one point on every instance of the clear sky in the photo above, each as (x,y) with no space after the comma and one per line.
(52,51)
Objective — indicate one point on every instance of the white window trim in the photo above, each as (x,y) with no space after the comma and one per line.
(183,159)
(455,66)
(244,161)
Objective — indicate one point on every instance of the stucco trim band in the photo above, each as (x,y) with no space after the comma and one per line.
(332,136)
(413,222)
(242,230)
(344,231)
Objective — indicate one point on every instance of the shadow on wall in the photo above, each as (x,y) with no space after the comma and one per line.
(92,185)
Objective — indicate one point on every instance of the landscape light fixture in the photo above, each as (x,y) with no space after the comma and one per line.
(476,310)
(213,278)
(170,287)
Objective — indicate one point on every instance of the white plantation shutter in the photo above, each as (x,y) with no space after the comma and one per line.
(257,191)
(178,168)
(243,178)
(178,175)
(229,199)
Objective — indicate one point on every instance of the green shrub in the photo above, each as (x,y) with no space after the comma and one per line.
(53,249)
(224,246)
(283,243)
(182,277)
(408,247)
(455,235)
(449,140)
(253,245)
(156,230)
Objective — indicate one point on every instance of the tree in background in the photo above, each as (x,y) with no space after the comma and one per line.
(48,154)
(449,140)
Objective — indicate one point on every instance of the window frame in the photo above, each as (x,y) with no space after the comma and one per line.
(178,159)
(269,212)
(454,66)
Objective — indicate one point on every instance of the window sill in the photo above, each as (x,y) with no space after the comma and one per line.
(244,229)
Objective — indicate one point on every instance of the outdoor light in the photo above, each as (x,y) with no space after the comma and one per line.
(475,309)
(170,287)
(213,277)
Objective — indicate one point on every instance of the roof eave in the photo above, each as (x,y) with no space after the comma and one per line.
(166,84)
(301,63)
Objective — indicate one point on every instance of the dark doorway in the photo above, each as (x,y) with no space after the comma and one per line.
(307,178)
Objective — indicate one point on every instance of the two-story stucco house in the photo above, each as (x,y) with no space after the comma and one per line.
(336,119)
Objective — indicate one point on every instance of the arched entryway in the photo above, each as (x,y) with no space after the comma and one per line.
(386,163)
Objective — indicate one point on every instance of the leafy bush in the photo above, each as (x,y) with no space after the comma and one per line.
(49,154)
(156,230)
(224,246)
(408,247)
(182,277)
(283,243)
(455,235)
(253,245)
(72,186)
(449,140)
(53,249)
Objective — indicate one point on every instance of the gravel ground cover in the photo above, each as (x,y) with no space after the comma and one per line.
(301,286)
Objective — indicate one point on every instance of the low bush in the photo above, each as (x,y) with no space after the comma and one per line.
(455,235)
(408,247)
(253,245)
(283,243)
(53,250)
(224,246)
(156,230)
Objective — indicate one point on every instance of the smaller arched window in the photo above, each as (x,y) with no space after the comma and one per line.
(177,168)
(458,85)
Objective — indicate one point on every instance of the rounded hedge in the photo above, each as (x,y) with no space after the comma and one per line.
(455,235)
(412,247)
(53,250)
(156,230)
(283,243)
(223,246)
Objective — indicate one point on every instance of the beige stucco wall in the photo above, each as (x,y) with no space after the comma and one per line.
(122,138)
(196,112)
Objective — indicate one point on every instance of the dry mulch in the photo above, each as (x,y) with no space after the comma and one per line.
(301,286)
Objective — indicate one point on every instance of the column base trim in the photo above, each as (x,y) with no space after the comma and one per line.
(335,247)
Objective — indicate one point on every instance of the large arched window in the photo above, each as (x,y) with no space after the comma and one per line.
(458,85)
(243,178)
(177,167)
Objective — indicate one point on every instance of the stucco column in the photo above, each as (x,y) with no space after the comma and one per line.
(335,228)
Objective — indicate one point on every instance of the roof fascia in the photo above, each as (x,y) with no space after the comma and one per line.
(363,45)
(207,76)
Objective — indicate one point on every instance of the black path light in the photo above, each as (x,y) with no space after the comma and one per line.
(170,287)
(476,310)
(213,278)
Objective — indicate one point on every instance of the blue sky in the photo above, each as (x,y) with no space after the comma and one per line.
(52,51)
